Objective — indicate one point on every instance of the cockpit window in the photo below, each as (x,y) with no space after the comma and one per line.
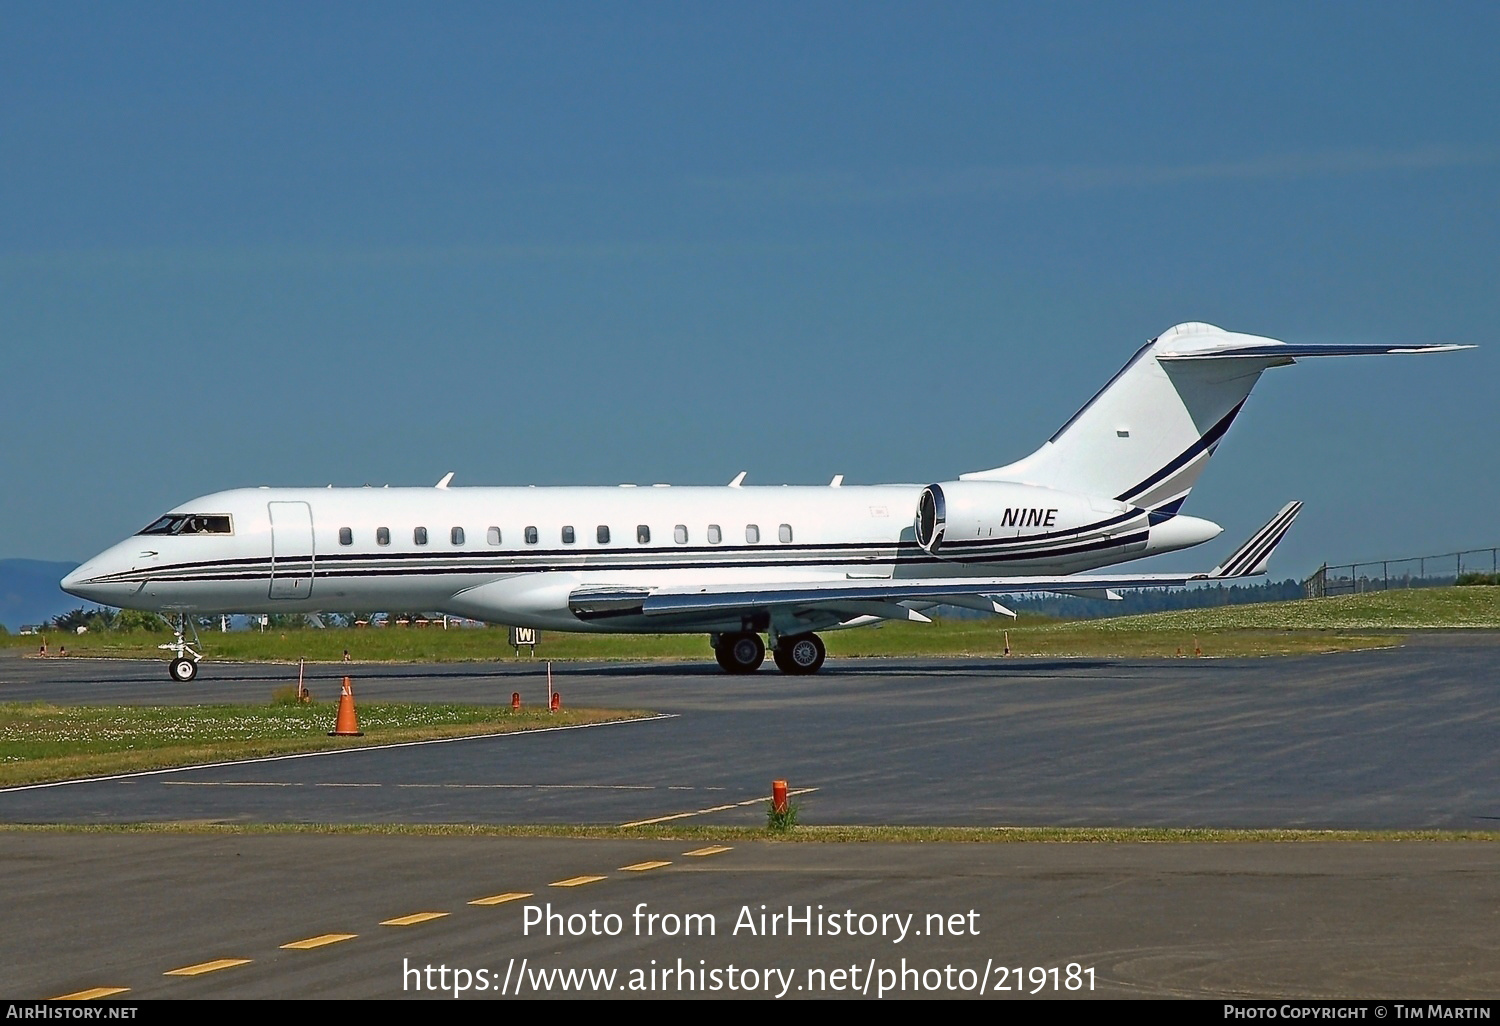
(191,523)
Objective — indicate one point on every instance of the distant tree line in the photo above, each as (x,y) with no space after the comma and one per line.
(106,619)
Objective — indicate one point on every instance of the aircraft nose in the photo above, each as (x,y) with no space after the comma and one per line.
(80,583)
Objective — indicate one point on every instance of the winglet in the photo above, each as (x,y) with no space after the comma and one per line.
(1251,558)
(739,479)
(444,482)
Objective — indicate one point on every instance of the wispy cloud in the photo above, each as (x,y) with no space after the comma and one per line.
(1024,180)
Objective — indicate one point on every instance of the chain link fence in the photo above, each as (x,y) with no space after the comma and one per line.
(1469,566)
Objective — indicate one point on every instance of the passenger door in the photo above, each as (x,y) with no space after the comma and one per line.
(292,554)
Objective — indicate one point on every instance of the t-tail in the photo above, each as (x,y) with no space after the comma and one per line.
(1148,433)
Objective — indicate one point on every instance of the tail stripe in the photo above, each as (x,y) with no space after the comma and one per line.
(1208,441)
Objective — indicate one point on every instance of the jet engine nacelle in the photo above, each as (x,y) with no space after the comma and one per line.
(953,512)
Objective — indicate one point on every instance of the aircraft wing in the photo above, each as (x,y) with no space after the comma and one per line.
(881,596)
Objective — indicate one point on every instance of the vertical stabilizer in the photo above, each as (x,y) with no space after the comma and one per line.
(1148,433)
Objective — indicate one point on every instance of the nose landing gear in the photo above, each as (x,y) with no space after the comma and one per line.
(183,669)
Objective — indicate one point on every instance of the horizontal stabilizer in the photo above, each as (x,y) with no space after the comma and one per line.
(1283,350)
(1251,558)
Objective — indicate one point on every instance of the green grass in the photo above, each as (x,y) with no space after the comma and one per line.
(1417,608)
(389,644)
(1272,628)
(1084,638)
(40,742)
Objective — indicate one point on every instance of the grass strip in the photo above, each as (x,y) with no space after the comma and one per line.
(42,742)
(952,638)
(1302,626)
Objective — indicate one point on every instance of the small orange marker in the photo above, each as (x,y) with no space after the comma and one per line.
(347,724)
(778,797)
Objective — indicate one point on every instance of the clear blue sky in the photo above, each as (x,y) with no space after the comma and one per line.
(592,243)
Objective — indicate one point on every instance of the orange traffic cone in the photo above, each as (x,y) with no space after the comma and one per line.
(347,724)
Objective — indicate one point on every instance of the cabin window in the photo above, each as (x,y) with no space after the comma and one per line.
(679,534)
(531,537)
(714,534)
(346,536)
(752,533)
(784,532)
(492,536)
(642,534)
(456,536)
(602,534)
(568,536)
(382,536)
(419,536)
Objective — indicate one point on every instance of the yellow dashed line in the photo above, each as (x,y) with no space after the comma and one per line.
(577,881)
(500,899)
(208,967)
(641,867)
(413,919)
(89,995)
(320,940)
(713,849)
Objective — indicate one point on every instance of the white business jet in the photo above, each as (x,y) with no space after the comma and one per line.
(734,562)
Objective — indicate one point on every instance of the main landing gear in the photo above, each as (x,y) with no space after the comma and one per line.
(793,653)
(184,665)
(800,653)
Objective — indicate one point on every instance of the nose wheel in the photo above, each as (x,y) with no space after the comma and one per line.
(184,665)
(800,653)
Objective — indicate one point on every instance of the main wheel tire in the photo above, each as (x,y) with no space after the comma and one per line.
(183,671)
(801,653)
(741,653)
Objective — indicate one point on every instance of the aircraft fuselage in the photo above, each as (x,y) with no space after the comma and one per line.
(528,549)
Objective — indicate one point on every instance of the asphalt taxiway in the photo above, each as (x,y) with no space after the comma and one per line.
(276,916)
(1388,739)
(1399,739)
